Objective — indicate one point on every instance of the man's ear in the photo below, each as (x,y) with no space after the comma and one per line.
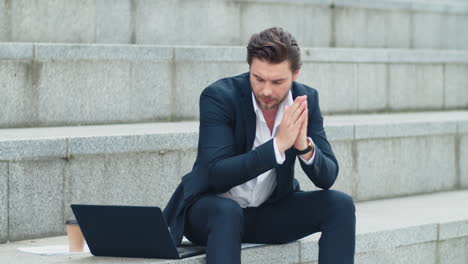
(296,74)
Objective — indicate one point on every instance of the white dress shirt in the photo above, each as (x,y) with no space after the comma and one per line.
(256,191)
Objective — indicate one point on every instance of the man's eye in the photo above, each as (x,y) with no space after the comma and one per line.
(260,80)
(277,83)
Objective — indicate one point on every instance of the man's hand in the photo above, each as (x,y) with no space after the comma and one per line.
(301,140)
(291,124)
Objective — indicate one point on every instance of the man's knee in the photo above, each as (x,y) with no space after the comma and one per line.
(223,210)
(340,203)
(226,207)
(226,214)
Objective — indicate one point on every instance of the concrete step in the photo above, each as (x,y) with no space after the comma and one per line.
(44,170)
(426,229)
(70,84)
(317,23)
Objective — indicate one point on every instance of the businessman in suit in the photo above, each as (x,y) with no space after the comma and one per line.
(242,188)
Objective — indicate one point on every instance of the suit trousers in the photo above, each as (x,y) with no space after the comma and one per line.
(221,225)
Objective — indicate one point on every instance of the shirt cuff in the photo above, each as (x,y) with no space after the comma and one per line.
(280,156)
(308,162)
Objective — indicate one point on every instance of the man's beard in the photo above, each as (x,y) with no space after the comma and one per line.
(274,106)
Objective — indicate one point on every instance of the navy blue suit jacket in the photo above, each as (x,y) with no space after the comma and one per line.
(225,157)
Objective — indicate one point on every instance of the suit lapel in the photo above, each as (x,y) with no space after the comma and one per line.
(248,113)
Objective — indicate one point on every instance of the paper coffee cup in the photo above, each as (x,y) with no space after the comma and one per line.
(75,237)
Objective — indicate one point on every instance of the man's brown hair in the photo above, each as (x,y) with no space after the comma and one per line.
(274,45)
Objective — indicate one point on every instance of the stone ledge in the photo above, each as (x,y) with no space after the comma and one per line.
(458,7)
(48,51)
(101,52)
(28,143)
(10,51)
(380,227)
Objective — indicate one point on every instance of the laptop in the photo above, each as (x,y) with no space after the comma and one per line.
(129,231)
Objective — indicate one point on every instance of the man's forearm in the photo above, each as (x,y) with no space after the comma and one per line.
(232,171)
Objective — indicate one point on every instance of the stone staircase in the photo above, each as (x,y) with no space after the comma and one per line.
(99,104)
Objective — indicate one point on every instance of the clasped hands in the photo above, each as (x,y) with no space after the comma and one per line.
(293,127)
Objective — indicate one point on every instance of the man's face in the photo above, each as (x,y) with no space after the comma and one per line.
(271,82)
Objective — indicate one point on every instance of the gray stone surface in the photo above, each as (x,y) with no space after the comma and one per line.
(456,86)
(36,197)
(453,229)
(4,22)
(412,165)
(358,20)
(378,215)
(97,52)
(151,95)
(460,23)
(361,55)
(285,254)
(17,149)
(462,161)
(378,28)
(393,238)
(425,56)
(3,202)
(336,84)
(463,126)
(229,22)
(398,28)
(114,21)
(391,128)
(415,86)
(155,29)
(25,142)
(335,131)
(52,20)
(309,248)
(169,140)
(121,84)
(453,251)
(65,98)
(18,98)
(210,54)
(128,179)
(192,77)
(16,50)
(427,28)
(423,253)
(187,22)
(311,26)
(371,87)
(371,245)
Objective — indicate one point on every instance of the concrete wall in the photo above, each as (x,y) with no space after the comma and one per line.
(318,23)
(49,84)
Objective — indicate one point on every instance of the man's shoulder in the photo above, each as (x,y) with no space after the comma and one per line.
(303,89)
(229,86)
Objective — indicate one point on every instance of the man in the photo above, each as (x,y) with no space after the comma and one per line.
(242,187)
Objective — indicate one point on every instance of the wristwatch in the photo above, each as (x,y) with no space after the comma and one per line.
(310,146)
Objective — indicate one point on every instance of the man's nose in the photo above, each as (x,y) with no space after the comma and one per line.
(267,90)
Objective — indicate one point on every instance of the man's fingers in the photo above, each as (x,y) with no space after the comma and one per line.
(297,102)
(299,111)
(299,122)
(292,113)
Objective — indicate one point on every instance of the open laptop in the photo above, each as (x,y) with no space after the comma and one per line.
(129,231)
